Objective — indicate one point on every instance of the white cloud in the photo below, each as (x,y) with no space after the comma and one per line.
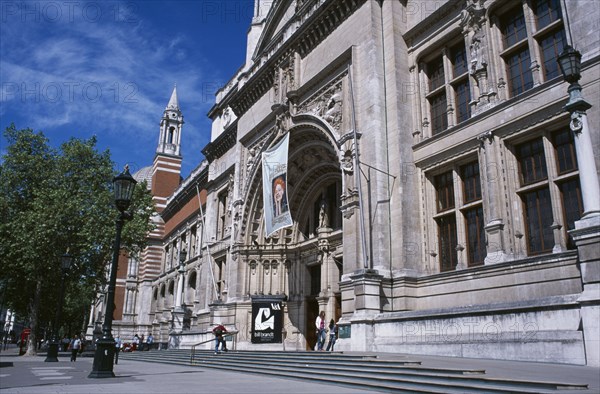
(109,77)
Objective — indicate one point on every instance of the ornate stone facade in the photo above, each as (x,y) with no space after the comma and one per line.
(434,184)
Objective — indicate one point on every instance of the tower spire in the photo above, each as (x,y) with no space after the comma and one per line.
(174,101)
(169,142)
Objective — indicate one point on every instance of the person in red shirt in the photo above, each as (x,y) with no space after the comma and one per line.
(219,332)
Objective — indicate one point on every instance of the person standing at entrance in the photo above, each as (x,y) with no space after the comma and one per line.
(75,346)
(333,329)
(321,330)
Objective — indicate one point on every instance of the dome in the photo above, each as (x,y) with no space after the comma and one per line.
(144,174)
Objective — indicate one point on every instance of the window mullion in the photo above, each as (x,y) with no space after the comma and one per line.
(426,115)
(534,50)
(461,238)
(450,103)
(555,196)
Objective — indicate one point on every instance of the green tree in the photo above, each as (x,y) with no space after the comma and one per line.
(52,200)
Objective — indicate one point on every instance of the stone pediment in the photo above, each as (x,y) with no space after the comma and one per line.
(280,13)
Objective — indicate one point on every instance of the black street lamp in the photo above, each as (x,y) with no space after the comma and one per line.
(52,354)
(570,66)
(569,62)
(105,345)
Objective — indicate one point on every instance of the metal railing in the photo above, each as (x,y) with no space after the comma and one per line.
(193,352)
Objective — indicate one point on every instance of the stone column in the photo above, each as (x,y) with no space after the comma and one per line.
(178,311)
(179,295)
(588,176)
(491,188)
(587,230)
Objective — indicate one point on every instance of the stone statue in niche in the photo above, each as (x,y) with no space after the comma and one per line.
(323,217)
(284,82)
(347,165)
(251,159)
(477,51)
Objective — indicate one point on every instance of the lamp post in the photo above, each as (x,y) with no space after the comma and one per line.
(570,66)
(54,343)
(105,345)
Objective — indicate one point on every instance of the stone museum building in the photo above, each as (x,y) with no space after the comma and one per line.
(441,178)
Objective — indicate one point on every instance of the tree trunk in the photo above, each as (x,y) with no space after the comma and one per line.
(33,316)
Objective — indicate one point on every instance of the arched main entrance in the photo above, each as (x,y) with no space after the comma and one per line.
(307,250)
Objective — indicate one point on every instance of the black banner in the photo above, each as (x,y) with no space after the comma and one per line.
(267,319)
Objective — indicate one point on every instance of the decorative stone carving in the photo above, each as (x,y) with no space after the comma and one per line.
(284,81)
(349,197)
(347,166)
(253,158)
(576,124)
(327,104)
(226,118)
(474,23)
(478,50)
(250,160)
(323,216)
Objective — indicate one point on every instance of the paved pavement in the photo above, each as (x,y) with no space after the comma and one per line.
(30,375)
(33,375)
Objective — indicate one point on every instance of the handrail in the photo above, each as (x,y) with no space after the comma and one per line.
(193,352)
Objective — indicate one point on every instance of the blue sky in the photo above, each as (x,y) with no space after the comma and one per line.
(75,68)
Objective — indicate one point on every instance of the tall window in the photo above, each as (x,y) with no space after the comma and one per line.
(570,191)
(222,214)
(532,161)
(547,32)
(447,242)
(548,168)
(551,34)
(473,213)
(463,201)
(449,93)
(460,82)
(437,96)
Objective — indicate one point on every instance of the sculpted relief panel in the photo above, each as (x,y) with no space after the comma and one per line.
(327,104)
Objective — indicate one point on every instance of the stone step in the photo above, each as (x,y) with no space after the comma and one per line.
(367,372)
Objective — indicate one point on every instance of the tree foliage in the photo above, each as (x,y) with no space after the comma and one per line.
(51,201)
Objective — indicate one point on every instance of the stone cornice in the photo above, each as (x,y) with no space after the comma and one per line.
(434,21)
(221,144)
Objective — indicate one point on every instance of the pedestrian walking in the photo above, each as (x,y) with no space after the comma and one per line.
(118,345)
(333,331)
(219,332)
(149,341)
(75,346)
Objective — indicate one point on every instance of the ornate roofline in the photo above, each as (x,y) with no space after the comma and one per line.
(221,144)
(307,31)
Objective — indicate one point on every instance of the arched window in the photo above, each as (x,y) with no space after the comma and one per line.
(171,135)
(192,280)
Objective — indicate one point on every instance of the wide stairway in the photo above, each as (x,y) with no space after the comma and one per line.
(369,372)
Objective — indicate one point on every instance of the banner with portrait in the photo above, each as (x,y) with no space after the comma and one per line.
(275,198)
